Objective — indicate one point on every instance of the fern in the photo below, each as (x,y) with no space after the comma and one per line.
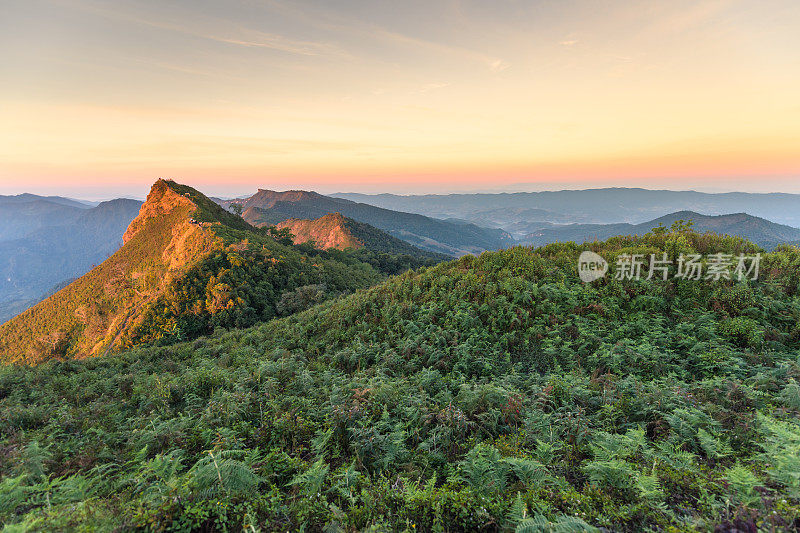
(517,512)
(546,452)
(671,455)
(13,493)
(790,396)
(615,473)
(607,446)
(218,472)
(782,452)
(560,524)
(649,488)
(312,480)
(529,471)
(743,482)
(484,470)
(713,447)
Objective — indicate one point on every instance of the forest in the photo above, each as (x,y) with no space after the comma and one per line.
(488,393)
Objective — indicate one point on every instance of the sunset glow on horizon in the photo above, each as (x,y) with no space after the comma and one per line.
(399,97)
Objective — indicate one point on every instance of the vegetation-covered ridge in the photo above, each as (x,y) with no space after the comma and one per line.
(490,393)
(337,231)
(89,316)
(187,267)
(326,232)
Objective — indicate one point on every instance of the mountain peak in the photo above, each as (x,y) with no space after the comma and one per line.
(162,199)
(266,198)
(175,229)
(328,231)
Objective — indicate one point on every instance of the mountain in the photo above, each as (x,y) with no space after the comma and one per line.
(26,198)
(329,231)
(763,232)
(337,231)
(267,208)
(20,215)
(90,316)
(74,241)
(518,221)
(596,206)
(491,393)
(186,267)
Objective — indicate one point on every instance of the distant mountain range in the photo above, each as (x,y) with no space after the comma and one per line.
(23,213)
(758,230)
(45,241)
(590,206)
(453,238)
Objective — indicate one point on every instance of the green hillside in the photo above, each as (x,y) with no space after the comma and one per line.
(380,241)
(186,268)
(491,393)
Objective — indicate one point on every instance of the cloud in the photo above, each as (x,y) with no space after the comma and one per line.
(235,35)
(278,42)
(568,43)
(492,63)
(498,65)
(431,87)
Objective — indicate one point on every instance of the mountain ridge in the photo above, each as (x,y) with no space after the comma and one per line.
(598,205)
(268,207)
(120,287)
(759,230)
(334,230)
(186,267)
(328,231)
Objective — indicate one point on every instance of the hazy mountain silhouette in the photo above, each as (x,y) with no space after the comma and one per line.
(599,206)
(762,232)
(74,240)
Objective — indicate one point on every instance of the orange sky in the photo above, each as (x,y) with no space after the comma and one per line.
(101,98)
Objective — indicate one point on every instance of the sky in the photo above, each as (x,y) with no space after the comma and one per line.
(99,99)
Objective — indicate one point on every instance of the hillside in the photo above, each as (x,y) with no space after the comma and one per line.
(65,249)
(762,232)
(266,208)
(186,267)
(336,231)
(491,393)
(329,231)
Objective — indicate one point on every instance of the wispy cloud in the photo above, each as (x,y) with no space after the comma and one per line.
(278,42)
(494,64)
(498,65)
(569,42)
(234,35)
(431,87)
